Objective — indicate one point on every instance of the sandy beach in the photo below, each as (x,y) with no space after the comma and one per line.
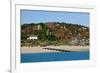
(39,49)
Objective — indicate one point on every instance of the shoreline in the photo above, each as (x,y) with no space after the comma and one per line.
(47,49)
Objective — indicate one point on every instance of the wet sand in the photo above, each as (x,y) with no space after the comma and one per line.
(45,49)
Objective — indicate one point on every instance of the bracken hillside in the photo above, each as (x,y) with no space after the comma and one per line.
(54,33)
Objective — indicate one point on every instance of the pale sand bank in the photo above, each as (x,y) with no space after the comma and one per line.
(62,47)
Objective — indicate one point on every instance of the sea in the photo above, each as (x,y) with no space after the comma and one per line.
(58,56)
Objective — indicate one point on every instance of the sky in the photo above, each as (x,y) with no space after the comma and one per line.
(37,16)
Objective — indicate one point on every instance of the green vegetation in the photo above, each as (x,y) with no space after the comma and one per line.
(54,33)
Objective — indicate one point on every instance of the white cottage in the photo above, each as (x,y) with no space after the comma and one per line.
(32,37)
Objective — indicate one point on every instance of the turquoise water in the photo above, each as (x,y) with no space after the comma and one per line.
(59,56)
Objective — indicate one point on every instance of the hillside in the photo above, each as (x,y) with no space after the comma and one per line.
(54,33)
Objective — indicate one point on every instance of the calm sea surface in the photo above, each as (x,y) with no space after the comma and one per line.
(59,56)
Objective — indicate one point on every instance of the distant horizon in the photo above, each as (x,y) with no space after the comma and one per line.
(39,16)
(59,22)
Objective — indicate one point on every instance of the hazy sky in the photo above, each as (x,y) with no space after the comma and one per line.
(33,16)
